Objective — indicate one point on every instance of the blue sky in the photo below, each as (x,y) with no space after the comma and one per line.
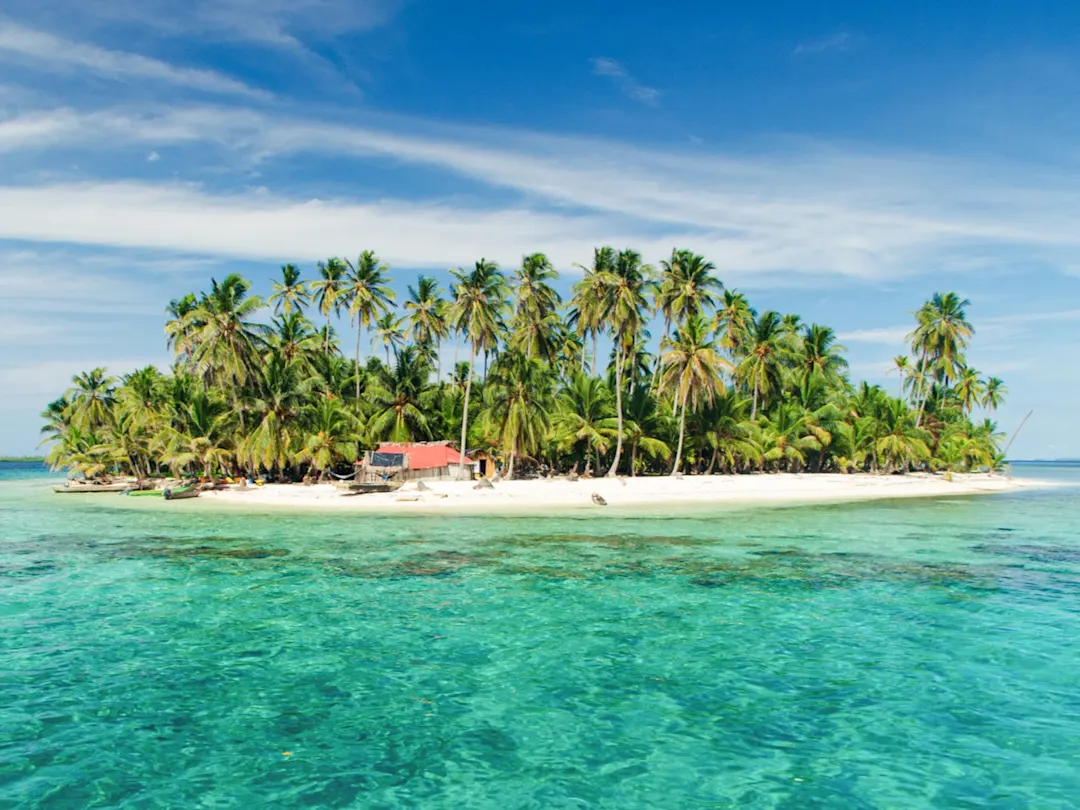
(840,160)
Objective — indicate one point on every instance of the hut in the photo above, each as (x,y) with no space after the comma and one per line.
(487,465)
(428,459)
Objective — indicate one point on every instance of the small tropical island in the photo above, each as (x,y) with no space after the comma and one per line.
(266,391)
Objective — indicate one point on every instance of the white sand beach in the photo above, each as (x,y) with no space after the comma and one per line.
(561,495)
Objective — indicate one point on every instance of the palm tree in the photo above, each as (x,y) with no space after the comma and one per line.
(290,293)
(821,354)
(400,397)
(368,296)
(734,321)
(428,318)
(902,366)
(333,434)
(477,312)
(730,432)
(693,370)
(294,336)
(226,342)
(91,398)
(536,319)
(766,349)
(940,336)
(627,282)
(994,394)
(202,437)
(390,332)
(282,393)
(178,327)
(584,415)
(641,423)
(969,389)
(516,404)
(687,288)
(592,301)
(328,291)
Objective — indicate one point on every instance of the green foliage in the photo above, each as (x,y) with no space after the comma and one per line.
(728,391)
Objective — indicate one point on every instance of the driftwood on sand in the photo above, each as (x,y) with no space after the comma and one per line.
(598,499)
(484,483)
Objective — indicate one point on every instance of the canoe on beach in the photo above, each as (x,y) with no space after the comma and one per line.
(70,487)
(181,493)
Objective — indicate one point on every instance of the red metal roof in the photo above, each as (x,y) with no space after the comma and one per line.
(425,456)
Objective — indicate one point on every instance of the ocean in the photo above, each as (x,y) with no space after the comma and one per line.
(917,653)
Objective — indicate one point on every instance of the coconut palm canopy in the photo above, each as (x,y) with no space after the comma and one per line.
(729,390)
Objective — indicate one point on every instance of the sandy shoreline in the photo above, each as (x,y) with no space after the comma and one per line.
(558,496)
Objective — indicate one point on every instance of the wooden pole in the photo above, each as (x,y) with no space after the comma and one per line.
(1005,452)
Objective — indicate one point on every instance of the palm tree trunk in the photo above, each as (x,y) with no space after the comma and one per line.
(656,372)
(633,458)
(510,468)
(595,351)
(465,412)
(438,360)
(326,337)
(682,433)
(753,410)
(618,408)
(358,327)
(712,461)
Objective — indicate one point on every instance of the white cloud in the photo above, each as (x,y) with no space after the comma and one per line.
(891,336)
(46,52)
(602,66)
(153,157)
(51,378)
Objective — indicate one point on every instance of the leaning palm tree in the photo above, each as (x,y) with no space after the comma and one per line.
(290,293)
(942,332)
(427,318)
(693,370)
(368,295)
(477,313)
(328,292)
(627,282)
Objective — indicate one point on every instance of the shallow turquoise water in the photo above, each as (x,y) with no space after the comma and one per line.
(908,654)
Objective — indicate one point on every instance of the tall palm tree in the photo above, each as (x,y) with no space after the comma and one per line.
(369,297)
(328,292)
(994,394)
(477,312)
(969,389)
(536,321)
(290,293)
(178,328)
(766,348)
(516,404)
(294,336)
(734,321)
(687,288)
(626,284)
(693,370)
(283,392)
(902,366)
(942,332)
(591,301)
(428,318)
(333,433)
(389,331)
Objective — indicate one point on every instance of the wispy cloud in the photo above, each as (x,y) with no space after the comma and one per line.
(841,41)
(811,210)
(889,336)
(45,52)
(602,66)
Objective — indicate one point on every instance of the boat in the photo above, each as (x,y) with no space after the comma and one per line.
(153,493)
(180,493)
(69,487)
(368,488)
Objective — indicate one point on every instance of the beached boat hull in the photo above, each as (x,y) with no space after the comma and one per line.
(69,489)
(181,493)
